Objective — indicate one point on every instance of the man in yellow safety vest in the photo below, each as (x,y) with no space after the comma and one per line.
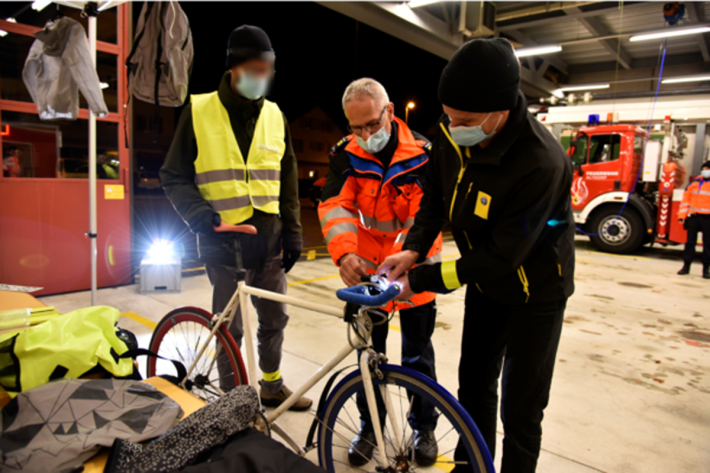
(231,162)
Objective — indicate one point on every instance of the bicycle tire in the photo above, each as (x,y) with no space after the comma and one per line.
(418,384)
(201,318)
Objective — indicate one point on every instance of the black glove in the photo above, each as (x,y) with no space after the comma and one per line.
(289,258)
(292,245)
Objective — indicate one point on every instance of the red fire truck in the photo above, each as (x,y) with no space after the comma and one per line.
(620,205)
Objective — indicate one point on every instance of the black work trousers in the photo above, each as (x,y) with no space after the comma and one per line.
(417,326)
(697,224)
(523,340)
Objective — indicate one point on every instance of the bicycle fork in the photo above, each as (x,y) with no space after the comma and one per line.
(366,358)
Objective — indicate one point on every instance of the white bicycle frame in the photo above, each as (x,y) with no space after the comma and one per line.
(239,298)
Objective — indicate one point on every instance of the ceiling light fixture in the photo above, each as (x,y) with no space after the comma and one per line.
(104,85)
(670,32)
(40,5)
(573,88)
(538,50)
(421,3)
(676,80)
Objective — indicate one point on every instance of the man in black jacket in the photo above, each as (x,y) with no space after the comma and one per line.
(249,178)
(503,182)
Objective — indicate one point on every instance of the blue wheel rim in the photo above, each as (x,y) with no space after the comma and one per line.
(484,462)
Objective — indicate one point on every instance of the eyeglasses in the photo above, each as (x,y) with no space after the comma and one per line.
(368,128)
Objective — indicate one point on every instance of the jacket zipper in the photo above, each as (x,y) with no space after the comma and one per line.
(524,280)
(461,171)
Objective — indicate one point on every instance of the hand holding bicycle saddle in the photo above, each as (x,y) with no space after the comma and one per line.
(203,342)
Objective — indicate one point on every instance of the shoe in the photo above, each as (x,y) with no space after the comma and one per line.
(685,269)
(706,272)
(362,448)
(426,450)
(276,399)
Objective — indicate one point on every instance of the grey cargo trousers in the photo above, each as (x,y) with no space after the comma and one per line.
(271,315)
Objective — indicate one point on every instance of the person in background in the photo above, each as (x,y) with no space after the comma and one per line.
(502,181)
(378,171)
(231,162)
(694,214)
(11,163)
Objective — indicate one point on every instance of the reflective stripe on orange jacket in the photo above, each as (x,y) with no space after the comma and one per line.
(368,210)
(696,199)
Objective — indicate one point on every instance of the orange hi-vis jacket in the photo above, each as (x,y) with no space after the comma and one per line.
(368,210)
(696,199)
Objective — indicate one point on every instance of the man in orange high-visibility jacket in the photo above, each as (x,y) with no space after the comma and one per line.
(694,214)
(369,202)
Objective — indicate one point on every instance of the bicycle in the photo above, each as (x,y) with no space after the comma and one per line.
(335,417)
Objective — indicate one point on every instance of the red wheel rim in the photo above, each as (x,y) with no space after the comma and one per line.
(222,335)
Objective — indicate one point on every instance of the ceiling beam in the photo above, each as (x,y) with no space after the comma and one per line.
(540,73)
(526,40)
(697,16)
(416,27)
(612,45)
(425,31)
(555,17)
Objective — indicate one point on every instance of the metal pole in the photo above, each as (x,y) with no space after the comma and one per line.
(92,168)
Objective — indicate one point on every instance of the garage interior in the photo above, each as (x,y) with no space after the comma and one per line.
(630,391)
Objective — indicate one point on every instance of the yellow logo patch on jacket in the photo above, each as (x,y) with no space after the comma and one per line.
(483,203)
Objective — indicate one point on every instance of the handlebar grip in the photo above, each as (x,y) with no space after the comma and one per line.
(357,295)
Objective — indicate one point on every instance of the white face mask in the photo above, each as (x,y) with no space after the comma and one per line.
(705,173)
(376,142)
(472,135)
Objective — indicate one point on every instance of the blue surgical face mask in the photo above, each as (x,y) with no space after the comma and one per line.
(376,142)
(252,87)
(472,135)
(705,173)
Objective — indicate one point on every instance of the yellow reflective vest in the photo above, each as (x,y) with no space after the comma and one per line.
(235,187)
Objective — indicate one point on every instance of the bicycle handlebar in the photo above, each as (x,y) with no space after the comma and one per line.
(360,295)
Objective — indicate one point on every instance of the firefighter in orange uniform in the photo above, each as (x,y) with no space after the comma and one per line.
(369,202)
(694,214)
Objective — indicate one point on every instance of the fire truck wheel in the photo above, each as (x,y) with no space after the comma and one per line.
(614,233)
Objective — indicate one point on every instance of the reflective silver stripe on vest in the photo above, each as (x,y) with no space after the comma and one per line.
(695,209)
(684,205)
(432,259)
(385,226)
(337,212)
(265,174)
(230,204)
(409,223)
(338,229)
(400,238)
(704,193)
(262,200)
(369,264)
(219,175)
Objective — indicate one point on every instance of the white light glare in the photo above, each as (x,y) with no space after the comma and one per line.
(685,79)
(3,33)
(104,85)
(584,87)
(421,3)
(538,50)
(40,5)
(669,32)
(161,251)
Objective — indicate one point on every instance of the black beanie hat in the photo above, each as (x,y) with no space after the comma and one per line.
(482,76)
(248,42)
(706,164)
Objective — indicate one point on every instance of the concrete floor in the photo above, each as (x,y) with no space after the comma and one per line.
(630,392)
